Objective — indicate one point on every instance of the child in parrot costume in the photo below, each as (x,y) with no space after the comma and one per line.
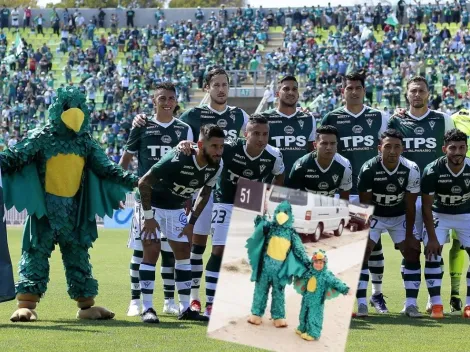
(63,178)
(276,254)
(316,285)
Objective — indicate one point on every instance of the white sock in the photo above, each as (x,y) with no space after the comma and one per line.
(146,305)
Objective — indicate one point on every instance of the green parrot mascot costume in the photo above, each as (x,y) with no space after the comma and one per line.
(63,178)
(276,254)
(316,285)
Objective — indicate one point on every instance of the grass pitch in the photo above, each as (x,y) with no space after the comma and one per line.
(394,332)
(58,330)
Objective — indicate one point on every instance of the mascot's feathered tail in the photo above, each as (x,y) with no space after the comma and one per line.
(7,285)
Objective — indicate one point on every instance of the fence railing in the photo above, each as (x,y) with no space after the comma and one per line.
(13,217)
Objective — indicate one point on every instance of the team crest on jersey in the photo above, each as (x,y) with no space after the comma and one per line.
(391,188)
(467,182)
(419,131)
(301,124)
(357,129)
(432,123)
(323,185)
(247,173)
(232,116)
(262,168)
(401,181)
(335,178)
(176,158)
(369,122)
(289,130)
(298,166)
(222,123)
(194,183)
(456,190)
(206,176)
(166,139)
(178,134)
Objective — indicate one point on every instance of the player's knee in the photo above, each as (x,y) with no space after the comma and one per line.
(200,240)
(411,255)
(218,250)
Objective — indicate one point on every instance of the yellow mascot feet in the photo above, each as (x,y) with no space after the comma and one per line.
(95,313)
(254,319)
(298,332)
(280,323)
(307,337)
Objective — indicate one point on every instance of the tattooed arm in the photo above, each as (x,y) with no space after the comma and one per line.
(149,231)
(200,203)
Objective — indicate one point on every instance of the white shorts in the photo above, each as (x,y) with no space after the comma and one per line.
(221,216)
(443,223)
(203,223)
(171,221)
(395,226)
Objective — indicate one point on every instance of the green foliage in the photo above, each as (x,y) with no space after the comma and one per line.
(21,3)
(206,3)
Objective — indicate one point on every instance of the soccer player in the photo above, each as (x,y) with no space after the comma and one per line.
(232,120)
(391,184)
(359,129)
(174,180)
(422,130)
(161,133)
(323,171)
(290,130)
(445,189)
(456,253)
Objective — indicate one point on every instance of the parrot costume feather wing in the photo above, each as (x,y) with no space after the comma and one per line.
(255,245)
(292,267)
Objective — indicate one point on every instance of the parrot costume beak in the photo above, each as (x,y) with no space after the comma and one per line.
(281,218)
(73,119)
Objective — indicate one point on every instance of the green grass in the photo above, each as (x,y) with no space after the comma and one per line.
(58,330)
(394,332)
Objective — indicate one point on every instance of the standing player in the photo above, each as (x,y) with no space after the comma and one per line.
(359,129)
(456,253)
(290,130)
(323,171)
(161,133)
(390,183)
(446,206)
(174,180)
(232,120)
(422,130)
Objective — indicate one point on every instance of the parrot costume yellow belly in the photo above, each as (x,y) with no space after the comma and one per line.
(63,178)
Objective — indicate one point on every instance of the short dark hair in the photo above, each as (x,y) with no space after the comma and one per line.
(165,86)
(210,130)
(391,133)
(215,72)
(417,79)
(257,119)
(287,78)
(355,76)
(455,135)
(327,130)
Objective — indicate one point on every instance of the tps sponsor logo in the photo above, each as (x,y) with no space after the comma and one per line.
(289,141)
(358,141)
(183,190)
(454,199)
(417,143)
(232,134)
(158,150)
(388,199)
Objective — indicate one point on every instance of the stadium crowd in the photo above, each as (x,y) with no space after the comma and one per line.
(320,46)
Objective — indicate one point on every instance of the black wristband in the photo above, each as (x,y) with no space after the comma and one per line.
(192,220)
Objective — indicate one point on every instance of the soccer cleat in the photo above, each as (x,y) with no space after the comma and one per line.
(362,311)
(413,312)
(437,311)
(134,309)
(455,306)
(378,302)
(429,306)
(466,312)
(150,316)
(170,307)
(208,311)
(190,314)
(195,305)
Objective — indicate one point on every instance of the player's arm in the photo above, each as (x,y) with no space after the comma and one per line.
(278,170)
(384,125)
(312,136)
(364,184)
(188,117)
(411,196)
(131,148)
(346,182)
(428,182)
(246,117)
(449,123)
(296,176)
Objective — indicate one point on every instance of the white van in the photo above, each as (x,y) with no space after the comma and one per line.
(313,214)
